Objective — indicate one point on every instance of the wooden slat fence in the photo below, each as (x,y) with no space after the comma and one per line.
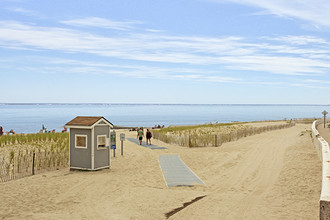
(209,140)
(31,163)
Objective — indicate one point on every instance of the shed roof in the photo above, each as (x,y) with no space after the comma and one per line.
(86,120)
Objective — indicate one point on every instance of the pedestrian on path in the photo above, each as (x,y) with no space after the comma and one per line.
(148,135)
(140,135)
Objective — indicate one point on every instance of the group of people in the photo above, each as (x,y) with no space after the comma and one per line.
(158,126)
(9,132)
(44,130)
(140,135)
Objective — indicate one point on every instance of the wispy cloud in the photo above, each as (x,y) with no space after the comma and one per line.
(69,66)
(13,0)
(102,23)
(301,40)
(317,81)
(154,30)
(315,12)
(22,11)
(310,86)
(289,55)
(60,66)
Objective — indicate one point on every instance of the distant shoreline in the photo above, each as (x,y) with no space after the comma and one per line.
(29,117)
(165,104)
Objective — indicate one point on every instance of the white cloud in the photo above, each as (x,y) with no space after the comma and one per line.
(14,0)
(137,71)
(278,65)
(316,11)
(102,23)
(22,11)
(154,30)
(310,86)
(289,55)
(300,40)
(317,81)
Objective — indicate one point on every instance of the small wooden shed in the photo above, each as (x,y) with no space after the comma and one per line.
(89,142)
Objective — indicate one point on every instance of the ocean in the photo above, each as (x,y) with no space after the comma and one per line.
(29,118)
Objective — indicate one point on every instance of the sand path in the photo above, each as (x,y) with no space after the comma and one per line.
(324,131)
(273,175)
(261,178)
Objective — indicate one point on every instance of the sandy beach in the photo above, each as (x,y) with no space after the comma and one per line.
(273,175)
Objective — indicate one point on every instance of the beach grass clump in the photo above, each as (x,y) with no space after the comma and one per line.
(32,138)
(214,134)
(22,153)
(305,120)
(183,129)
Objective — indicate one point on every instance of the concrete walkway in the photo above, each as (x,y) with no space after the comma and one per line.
(176,173)
(144,144)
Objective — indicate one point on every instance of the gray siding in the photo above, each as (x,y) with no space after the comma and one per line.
(102,156)
(80,157)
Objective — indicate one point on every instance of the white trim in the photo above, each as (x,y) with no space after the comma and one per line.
(79,127)
(99,168)
(106,123)
(75,141)
(109,150)
(92,150)
(97,142)
(80,168)
(69,147)
(92,126)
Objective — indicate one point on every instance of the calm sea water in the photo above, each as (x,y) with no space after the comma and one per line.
(29,118)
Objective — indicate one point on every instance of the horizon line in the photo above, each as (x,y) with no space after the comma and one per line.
(115,103)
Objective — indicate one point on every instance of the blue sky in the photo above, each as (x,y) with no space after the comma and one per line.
(165,51)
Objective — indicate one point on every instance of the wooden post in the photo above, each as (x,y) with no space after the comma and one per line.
(189,141)
(215,140)
(33,158)
(122,148)
(3,170)
(324,115)
(13,170)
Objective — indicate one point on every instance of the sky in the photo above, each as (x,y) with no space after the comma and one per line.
(165,51)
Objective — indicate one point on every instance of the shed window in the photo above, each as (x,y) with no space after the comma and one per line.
(81,141)
(101,140)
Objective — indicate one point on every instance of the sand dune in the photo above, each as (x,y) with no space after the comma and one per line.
(273,175)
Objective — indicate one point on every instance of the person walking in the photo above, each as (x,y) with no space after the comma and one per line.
(140,135)
(148,135)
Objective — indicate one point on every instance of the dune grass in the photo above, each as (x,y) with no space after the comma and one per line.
(22,153)
(215,134)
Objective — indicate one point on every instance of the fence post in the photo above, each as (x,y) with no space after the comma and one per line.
(3,171)
(13,170)
(33,158)
(215,140)
(189,141)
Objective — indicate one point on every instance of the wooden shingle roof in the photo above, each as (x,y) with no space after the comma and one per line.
(85,120)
